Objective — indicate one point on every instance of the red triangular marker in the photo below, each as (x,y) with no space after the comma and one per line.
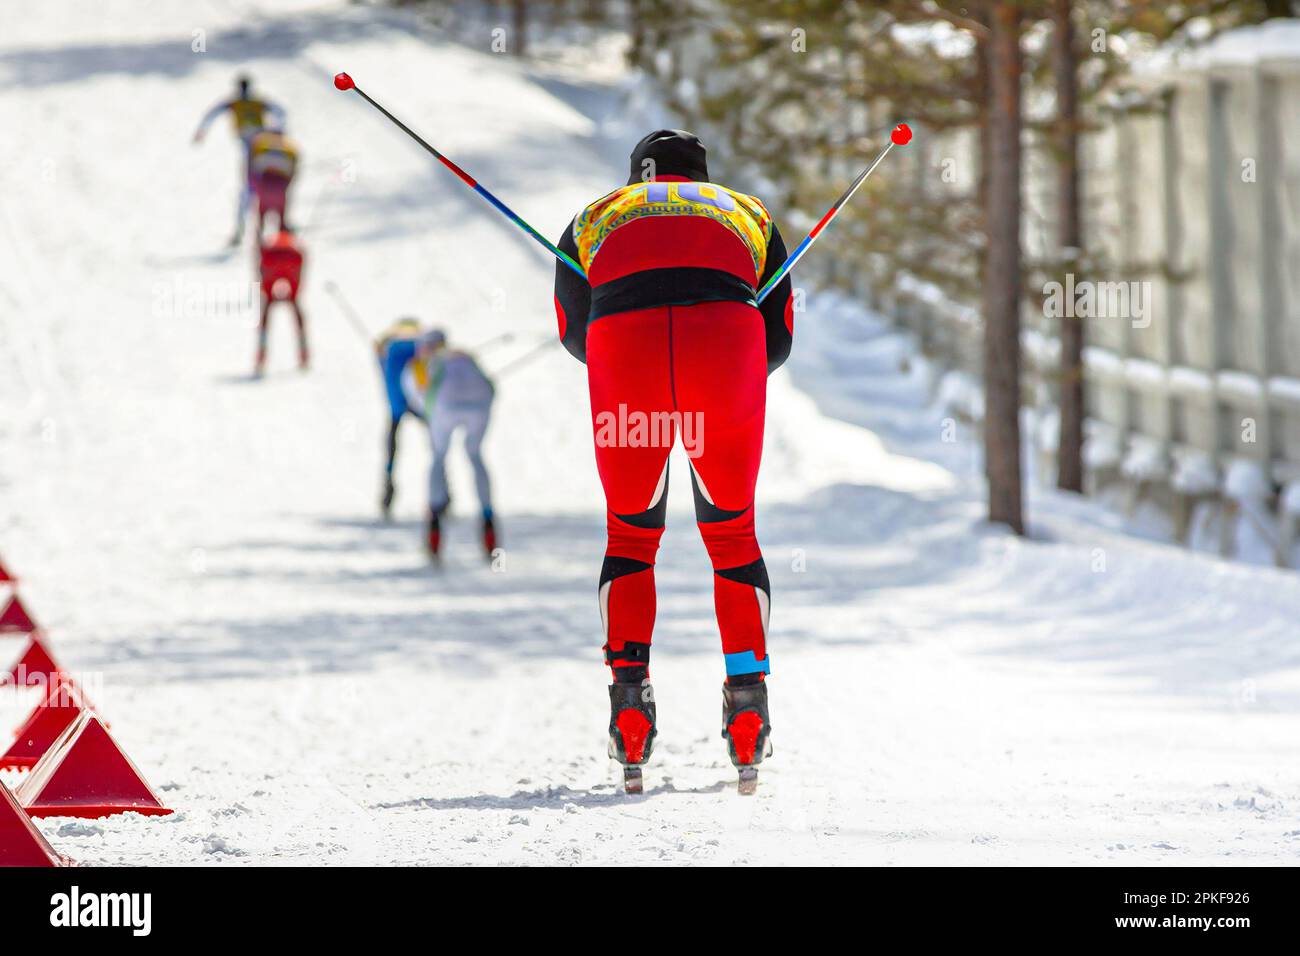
(21,844)
(45,724)
(86,774)
(15,617)
(5,576)
(36,666)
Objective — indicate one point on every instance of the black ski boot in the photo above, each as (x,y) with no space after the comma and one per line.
(746,728)
(386,502)
(632,729)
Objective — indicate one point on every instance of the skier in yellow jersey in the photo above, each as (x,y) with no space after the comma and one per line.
(272,161)
(250,115)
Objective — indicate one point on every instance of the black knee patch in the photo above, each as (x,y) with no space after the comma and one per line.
(754,574)
(654,517)
(706,512)
(616,567)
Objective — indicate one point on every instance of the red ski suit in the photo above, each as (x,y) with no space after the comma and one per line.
(281,273)
(677,350)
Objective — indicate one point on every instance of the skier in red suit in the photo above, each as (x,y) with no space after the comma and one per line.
(676,349)
(281,274)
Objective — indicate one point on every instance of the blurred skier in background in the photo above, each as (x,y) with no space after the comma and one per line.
(667,324)
(272,161)
(249,115)
(281,274)
(396,350)
(455,395)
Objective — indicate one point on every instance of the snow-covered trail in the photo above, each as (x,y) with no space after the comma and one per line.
(303,689)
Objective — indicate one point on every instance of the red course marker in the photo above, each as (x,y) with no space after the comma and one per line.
(21,844)
(36,666)
(901,135)
(343,82)
(86,774)
(15,618)
(45,724)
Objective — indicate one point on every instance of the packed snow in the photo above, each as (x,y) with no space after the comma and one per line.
(299,684)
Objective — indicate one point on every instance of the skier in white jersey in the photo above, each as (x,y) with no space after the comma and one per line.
(455,395)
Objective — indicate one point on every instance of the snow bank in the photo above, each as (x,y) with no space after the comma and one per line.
(961,394)
(1194,472)
(1047,430)
(1290,503)
(1146,460)
(1247,480)
(1102,447)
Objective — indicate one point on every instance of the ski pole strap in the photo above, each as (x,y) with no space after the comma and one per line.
(632,651)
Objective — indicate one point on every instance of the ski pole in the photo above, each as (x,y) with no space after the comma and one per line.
(344,82)
(526,357)
(901,135)
(350,313)
(495,340)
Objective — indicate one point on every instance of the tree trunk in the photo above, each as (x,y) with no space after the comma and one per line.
(1065,66)
(983,96)
(637,30)
(983,99)
(1002,272)
(520,16)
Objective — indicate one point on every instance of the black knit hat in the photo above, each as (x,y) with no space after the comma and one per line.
(674,152)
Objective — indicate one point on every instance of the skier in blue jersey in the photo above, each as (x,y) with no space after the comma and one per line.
(396,349)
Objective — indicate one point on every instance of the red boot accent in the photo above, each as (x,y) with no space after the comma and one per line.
(744,732)
(435,541)
(635,728)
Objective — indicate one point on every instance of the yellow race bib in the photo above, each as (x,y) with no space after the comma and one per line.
(745,216)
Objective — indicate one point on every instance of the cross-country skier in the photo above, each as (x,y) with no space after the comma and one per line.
(396,349)
(272,161)
(250,115)
(455,394)
(667,325)
(281,272)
